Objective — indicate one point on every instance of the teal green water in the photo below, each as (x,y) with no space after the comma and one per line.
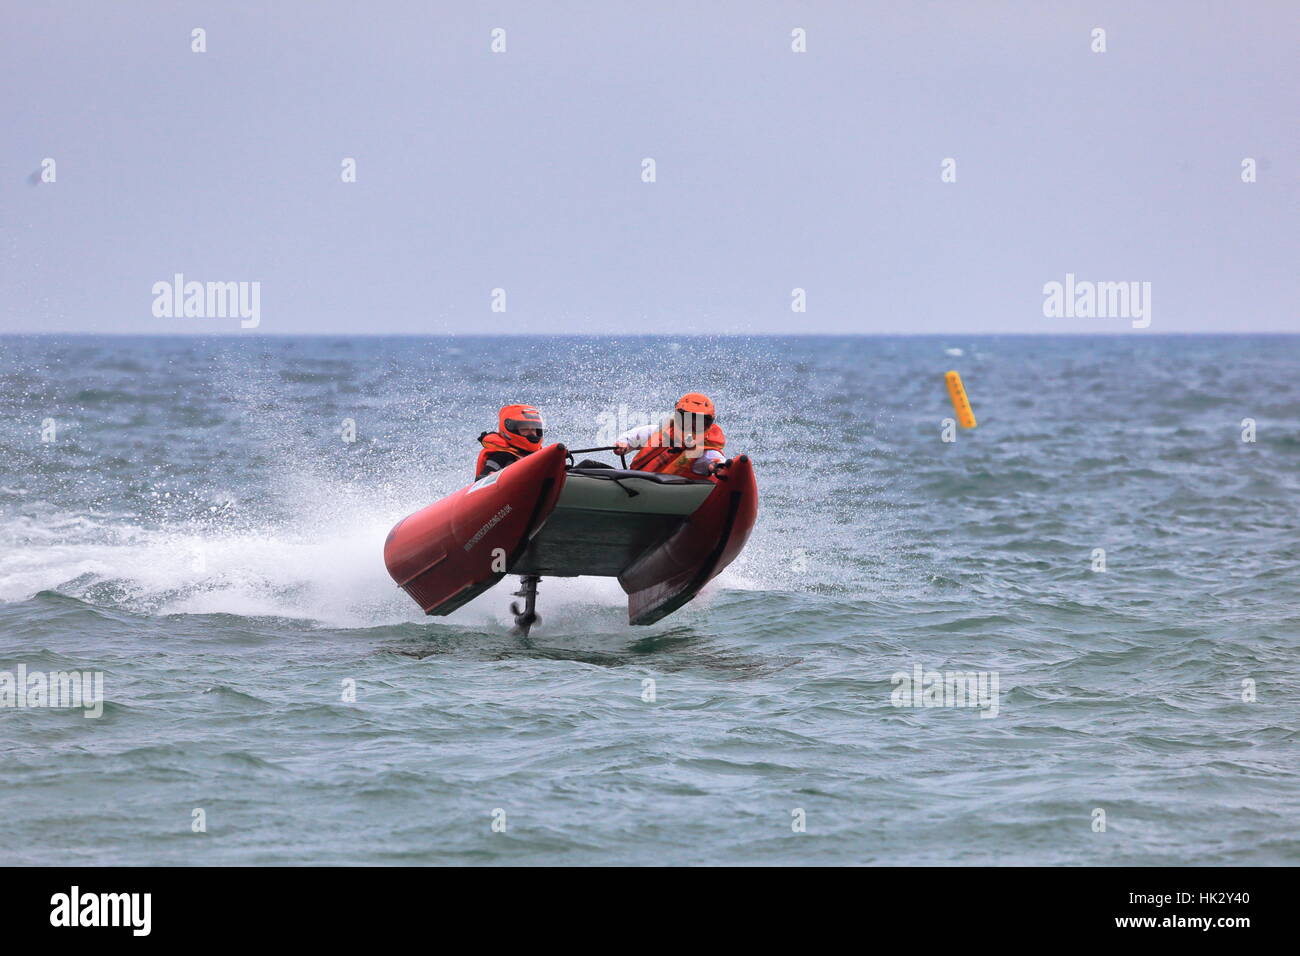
(199,532)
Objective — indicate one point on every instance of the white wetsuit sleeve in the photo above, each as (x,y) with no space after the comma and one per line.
(636,437)
(701,465)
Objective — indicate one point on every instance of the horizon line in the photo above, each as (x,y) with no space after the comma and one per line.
(245,333)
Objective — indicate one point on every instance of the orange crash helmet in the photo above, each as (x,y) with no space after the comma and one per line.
(521,426)
(694,411)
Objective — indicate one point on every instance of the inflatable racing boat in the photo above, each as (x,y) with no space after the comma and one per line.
(663,536)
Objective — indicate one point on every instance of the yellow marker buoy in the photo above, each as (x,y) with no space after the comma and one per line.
(960,403)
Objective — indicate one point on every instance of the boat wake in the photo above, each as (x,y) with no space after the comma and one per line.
(334,578)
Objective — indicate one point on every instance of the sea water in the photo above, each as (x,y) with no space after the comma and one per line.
(1067,636)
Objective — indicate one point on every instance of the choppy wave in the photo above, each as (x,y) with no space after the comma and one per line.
(201,535)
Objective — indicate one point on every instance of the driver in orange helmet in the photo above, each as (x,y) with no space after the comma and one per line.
(519,433)
(689,442)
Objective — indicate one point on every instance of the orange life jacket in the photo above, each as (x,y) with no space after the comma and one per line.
(662,455)
(493,442)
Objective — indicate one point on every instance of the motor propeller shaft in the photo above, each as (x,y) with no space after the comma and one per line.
(526,616)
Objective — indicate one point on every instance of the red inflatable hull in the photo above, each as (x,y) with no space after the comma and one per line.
(452,551)
(664,579)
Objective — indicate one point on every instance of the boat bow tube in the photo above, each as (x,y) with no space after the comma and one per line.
(663,536)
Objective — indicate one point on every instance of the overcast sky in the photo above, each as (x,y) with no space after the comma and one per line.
(775,170)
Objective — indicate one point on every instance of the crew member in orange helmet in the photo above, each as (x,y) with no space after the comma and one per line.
(519,433)
(689,442)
